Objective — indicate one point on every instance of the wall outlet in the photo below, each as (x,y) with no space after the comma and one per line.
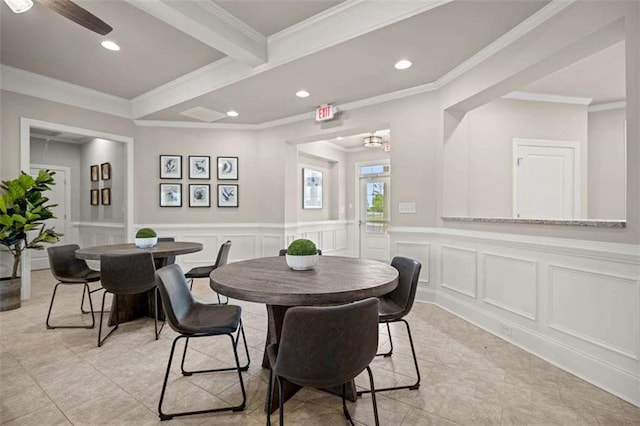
(506,330)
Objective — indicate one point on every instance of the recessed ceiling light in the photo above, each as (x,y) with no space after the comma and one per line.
(232,113)
(302,94)
(339,138)
(110,45)
(403,64)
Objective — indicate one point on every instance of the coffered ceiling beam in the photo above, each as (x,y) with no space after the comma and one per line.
(212,25)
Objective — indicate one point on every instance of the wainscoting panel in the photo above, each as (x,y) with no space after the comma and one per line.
(417,250)
(574,303)
(329,240)
(459,270)
(598,308)
(271,245)
(510,283)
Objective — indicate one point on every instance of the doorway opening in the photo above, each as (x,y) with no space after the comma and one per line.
(373,190)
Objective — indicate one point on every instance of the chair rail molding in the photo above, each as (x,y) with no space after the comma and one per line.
(573,303)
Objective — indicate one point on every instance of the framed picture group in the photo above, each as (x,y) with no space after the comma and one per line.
(199,168)
(100,196)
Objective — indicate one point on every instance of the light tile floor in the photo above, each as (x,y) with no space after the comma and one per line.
(469,377)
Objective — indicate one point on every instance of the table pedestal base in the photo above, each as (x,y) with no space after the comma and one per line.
(134,306)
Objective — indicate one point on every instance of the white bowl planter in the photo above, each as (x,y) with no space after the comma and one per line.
(302,263)
(146,242)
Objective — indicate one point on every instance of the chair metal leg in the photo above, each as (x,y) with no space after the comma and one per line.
(53,296)
(155,319)
(169,416)
(280,401)
(269,395)
(344,404)
(414,386)
(190,284)
(388,354)
(235,344)
(373,396)
(115,327)
(82,302)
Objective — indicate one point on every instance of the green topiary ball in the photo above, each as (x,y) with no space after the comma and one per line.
(302,247)
(146,233)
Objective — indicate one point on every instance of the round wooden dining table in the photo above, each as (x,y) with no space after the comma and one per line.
(334,280)
(133,306)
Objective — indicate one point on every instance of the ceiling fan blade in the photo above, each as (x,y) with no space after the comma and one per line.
(81,16)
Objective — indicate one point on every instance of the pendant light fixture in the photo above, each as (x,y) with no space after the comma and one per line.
(372,141)
(19,6)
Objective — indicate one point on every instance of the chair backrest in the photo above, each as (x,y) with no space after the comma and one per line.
(64,264)
(174,290)
(170,259)
(284,252)
(408,274)
(223,254)
(324,346)
(127,273)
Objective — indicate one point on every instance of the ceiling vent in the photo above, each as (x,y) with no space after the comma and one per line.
(203,114)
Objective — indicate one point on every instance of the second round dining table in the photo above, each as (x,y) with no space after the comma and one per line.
(334,280)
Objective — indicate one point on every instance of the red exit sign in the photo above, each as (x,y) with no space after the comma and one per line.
(325,112)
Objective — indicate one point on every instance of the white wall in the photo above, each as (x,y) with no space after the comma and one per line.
(478,159)
(607,165)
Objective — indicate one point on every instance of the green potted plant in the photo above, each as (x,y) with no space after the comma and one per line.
(23,212)
(146,238)
(302,255)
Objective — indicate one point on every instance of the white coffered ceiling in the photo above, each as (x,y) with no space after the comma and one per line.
(250,56)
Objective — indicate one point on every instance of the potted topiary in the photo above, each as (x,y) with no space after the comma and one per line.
(302,255)
(146,238)
(23,211)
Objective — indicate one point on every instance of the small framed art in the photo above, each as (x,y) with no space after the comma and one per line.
(199,195)
(227,195)
(171,167)
(170,195)
(105,171)
(311,189)
(95,196)
(227,168)
(106,196)
(199,167)
(95,173)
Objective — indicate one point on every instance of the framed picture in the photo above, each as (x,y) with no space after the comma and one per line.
(171,167)
(95,195)
(106,196)
(199,167)
(227,168)
(95,173)
(311,189)
(105,171)
(199,195)
(227,195)
(170,195)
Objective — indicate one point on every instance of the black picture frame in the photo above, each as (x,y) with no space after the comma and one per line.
(94,197)
(228,195)
(227,168)
(199,167)
(170,195)
(199,195)
(105,198)
(94,173)
(171,167)
(105,171)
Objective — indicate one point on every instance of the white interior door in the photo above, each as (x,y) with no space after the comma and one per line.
(374,217)
(59,195)
(547,180)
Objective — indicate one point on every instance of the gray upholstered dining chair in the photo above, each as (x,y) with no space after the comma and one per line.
(127,274)
(69,270)
(325,346)
(394,306)
(204,271)
(191,319)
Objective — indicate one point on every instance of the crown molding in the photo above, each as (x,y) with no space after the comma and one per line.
(608,106)
(543,97)
(36,85)
(195,125)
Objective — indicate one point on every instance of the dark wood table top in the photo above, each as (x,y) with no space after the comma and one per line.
(162,249)
(334,280)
